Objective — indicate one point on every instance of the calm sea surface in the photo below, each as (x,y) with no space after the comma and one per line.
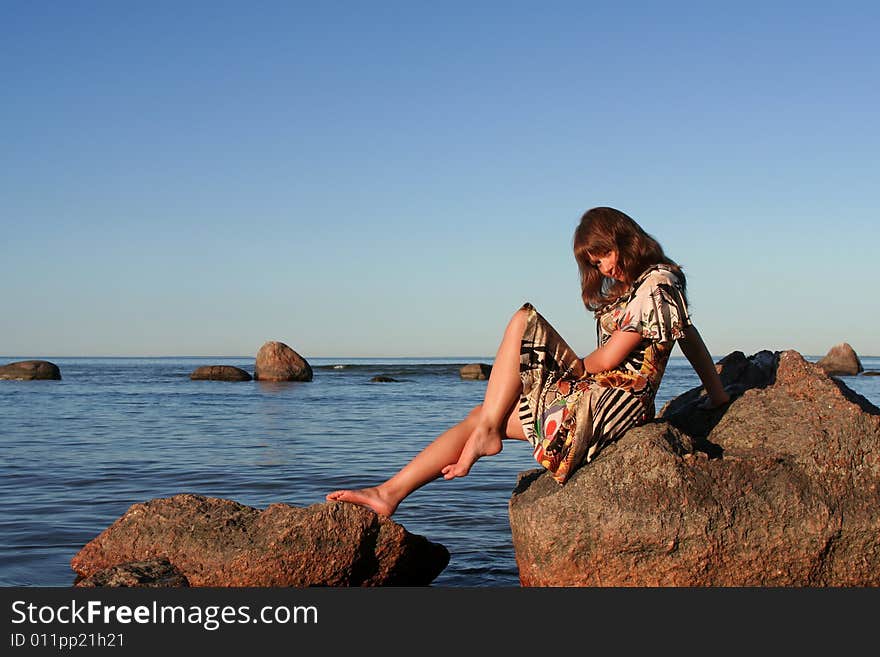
(77,453)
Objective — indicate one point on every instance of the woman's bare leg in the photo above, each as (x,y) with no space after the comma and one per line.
(425,467)
(502,393)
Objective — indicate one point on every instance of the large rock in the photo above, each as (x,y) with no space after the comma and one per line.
(153,573)
(29,370)
(216,542)
(278,362)
(779,488)
(841,360)
(219,373)
(475,371)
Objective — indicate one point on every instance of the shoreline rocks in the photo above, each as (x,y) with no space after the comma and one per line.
(220,373)
(217,542)
(152,573)
(30,370)
(276,361)
(781,487)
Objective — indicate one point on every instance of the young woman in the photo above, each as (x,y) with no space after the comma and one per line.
(539,390)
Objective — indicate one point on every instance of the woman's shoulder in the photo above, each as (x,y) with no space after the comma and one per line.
(657,275)
(644,288)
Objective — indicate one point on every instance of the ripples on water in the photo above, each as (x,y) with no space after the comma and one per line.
(117,431)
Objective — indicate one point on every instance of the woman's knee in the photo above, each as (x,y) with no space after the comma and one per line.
(517,323)
(513,428)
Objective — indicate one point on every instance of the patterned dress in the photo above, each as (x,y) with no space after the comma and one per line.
(569,416)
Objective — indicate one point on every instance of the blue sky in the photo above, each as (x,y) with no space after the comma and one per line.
(395,179)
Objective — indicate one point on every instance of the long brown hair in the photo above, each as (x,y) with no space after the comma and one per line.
(602,230)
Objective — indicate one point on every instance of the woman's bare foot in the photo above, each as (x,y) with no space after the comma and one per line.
(372,498)
(484,441)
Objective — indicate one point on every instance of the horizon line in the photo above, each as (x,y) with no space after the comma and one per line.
(469,358)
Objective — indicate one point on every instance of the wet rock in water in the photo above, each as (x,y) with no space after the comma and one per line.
(277,362)
(841,360)
(217,542)
(781,487)
(383,379)
(870,373)
(30,370)
(219,373)
(152,573)
(475,371)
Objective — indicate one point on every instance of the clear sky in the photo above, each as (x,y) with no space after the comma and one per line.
(397,178)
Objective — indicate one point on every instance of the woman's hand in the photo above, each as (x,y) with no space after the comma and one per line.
(693,347)
(711,403)
(724,396)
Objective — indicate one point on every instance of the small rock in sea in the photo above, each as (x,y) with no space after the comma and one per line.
(475,371)
(216,542)
(30,370)
(841,360)
(870,373)
(153,573)
(219,373)
(383,379)
(278,362)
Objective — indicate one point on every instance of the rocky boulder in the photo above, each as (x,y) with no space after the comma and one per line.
(29,370)
(841,360)
(217,542)
(475,371)
(278,362)
(779,488)
(219,373)
(154,573)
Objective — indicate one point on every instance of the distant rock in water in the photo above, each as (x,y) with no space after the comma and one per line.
(781,487)
(475,371)
(871,373)
(152,573)
(841,360)
(29,370)
(219,373)
(278,362)
(383,379)
(217,542)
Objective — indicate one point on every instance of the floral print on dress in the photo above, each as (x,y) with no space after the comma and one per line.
(554,432)
(655,308)
(569,418)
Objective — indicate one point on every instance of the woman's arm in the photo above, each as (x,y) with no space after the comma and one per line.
(694,349)
(612,353)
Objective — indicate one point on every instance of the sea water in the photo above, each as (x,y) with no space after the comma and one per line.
(78,452)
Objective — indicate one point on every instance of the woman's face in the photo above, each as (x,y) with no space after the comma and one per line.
(607,265)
